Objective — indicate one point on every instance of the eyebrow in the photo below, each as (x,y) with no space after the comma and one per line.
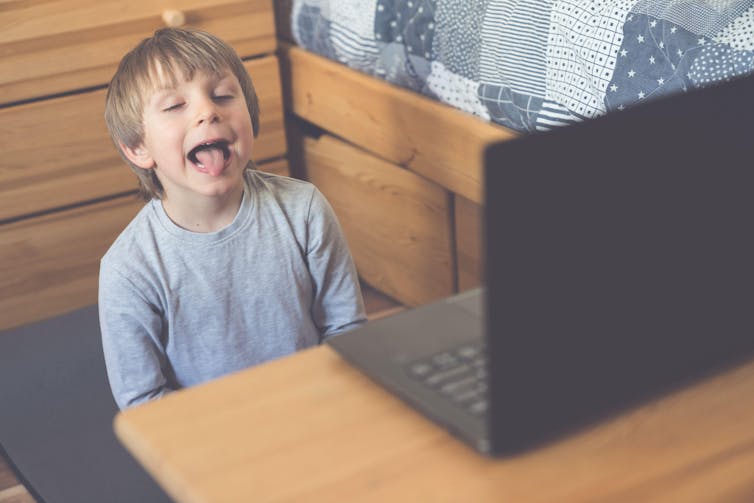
(161,92)
(167,86)
(225,76)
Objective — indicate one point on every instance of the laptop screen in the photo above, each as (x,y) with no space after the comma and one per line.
(619,259)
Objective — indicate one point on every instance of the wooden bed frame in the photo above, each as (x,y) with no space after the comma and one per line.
(403,172)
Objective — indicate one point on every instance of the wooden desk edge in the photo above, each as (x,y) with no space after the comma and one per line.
(664,441)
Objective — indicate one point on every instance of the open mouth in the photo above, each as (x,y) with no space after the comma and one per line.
(210,156)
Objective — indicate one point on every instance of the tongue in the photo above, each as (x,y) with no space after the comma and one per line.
(212,160)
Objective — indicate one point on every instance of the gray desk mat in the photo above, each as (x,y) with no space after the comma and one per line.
(56,414)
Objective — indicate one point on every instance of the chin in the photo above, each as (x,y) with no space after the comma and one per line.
(222,186)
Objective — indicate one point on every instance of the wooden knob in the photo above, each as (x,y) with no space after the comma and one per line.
(173,18)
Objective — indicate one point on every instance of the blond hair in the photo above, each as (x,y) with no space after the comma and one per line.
(170,53)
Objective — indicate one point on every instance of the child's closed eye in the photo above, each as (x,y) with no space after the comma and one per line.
(173,107)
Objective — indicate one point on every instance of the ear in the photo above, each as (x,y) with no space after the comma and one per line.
(138,155)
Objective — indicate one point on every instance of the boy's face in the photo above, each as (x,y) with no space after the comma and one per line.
(198,136)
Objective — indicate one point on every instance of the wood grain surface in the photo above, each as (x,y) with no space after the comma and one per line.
(397,223)
(439,142)
(311,428)
(469,254)
(57,46)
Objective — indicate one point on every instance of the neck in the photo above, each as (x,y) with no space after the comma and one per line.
(209,214)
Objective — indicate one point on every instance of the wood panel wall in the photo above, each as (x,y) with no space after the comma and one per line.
(65,194)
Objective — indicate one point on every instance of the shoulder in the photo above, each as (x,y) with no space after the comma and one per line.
(134,242)
(277,184)
(291,194)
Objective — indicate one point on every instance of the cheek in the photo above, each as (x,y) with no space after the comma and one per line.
(247,131)
(247,146)
(247,122)
(165,145)
(154,132)
(166,132)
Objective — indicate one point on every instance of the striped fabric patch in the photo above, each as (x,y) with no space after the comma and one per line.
(354,50)
(352,33)
(553,115)
(514,45)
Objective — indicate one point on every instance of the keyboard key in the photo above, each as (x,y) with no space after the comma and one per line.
(478,408)
(444,360)
(420,369)
(442,376)
(459,374)
(459,386)
(468,352)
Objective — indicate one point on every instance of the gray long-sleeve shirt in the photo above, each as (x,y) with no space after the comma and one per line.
(178,308)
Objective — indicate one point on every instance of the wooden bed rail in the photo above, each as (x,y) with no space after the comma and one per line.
(441,143)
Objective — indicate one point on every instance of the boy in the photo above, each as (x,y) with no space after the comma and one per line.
(224,267)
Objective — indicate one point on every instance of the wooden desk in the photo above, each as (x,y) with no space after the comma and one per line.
(311,428)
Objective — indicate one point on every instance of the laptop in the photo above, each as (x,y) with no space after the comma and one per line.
(619,264)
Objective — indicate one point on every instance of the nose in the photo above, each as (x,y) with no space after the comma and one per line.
(206,112)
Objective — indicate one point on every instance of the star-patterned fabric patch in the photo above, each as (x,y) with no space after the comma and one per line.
(653,61)
(659,58)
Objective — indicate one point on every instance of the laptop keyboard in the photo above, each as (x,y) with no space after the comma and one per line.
(459,374)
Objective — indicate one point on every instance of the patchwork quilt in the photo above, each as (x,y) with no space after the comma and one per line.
(534,64)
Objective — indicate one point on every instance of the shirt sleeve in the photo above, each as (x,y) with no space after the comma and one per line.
(338,305)
(131,329)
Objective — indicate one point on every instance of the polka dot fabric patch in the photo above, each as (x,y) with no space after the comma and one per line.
(719,63)
(739,34)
